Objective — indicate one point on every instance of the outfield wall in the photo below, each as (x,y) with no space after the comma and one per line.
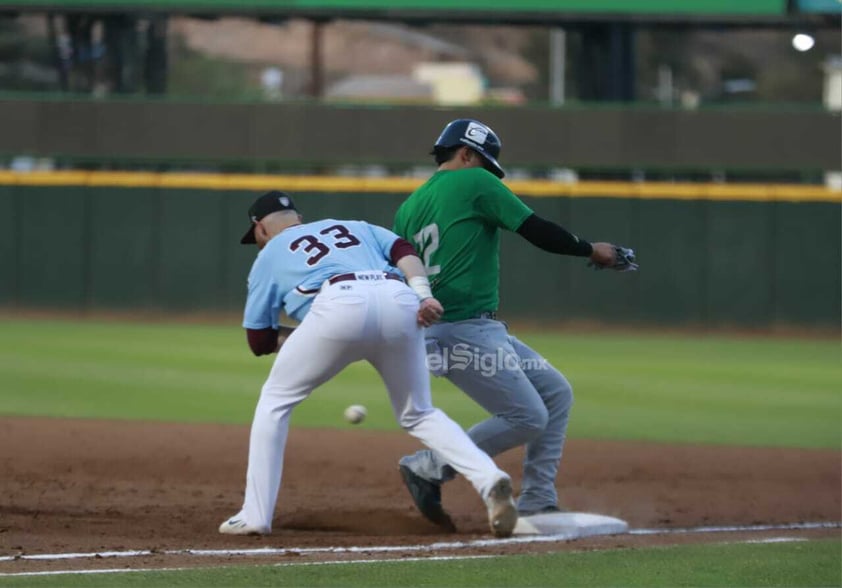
(307,133)
(768,257)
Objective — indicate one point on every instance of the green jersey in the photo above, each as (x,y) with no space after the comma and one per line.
(453,221)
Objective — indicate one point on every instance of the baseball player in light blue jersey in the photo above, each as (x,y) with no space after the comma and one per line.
(339,279)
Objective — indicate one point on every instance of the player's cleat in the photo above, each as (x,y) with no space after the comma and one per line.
(502,512)
(427,498)
(237,526)
(546,510)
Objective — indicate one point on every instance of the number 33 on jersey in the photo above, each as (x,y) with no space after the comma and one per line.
(289,271)
(342,239)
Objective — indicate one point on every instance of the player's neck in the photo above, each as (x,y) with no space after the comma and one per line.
(281,227)
(290,225)
(278,228)
(454,165)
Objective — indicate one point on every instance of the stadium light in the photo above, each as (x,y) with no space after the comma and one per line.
(803,42)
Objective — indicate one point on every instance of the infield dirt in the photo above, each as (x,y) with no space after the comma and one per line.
(83,486)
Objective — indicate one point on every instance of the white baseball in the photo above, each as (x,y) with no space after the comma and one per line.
(355,414)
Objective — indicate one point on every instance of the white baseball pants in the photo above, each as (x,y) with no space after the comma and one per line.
(373,320)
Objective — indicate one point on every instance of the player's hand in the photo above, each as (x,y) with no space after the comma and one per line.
(429,312)
(603,254)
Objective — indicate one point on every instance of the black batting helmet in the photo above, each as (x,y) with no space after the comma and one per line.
(476,135)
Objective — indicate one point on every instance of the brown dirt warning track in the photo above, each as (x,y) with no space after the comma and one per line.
(69,486)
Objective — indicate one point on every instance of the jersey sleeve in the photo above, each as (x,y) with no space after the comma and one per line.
(263,302)
(498,205)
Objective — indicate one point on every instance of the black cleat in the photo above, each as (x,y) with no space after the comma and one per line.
(427,498)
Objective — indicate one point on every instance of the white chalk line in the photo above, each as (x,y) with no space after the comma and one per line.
(279,565)
(263,551)
(777,540)
(88,572)
(737,529)
(267,551)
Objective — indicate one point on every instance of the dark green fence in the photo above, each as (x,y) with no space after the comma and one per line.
(307,133)
(703,262)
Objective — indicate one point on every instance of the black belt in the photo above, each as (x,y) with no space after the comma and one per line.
(489,314)
(348,277)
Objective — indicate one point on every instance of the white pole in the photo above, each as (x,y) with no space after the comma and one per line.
(665,88)
(558,58)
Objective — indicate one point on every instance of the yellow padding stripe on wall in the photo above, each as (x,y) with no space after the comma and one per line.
(586,189)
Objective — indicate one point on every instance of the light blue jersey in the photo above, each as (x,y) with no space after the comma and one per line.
(289,271)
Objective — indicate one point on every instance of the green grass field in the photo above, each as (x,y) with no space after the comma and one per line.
(665,388)
(702,389)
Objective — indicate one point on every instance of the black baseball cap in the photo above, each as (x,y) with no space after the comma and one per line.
(270,202)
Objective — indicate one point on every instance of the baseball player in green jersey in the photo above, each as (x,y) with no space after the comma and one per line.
(454,221)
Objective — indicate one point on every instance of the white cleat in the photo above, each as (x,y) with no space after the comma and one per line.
(237,526)
(502,512)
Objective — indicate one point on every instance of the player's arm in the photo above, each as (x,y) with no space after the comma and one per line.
(401,254)
(268,340)
(412,267)
(260,318)
(554,238)
(499,206)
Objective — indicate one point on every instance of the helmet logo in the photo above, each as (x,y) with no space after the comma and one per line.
(284,201)
(476,133)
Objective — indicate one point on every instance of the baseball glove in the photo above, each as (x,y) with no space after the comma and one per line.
(624,262)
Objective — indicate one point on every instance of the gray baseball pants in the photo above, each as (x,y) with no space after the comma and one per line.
(528,399)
